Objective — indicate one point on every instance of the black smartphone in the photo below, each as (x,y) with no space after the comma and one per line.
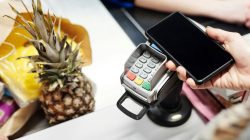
(187,45)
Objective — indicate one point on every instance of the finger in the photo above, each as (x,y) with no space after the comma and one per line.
(232,42)
(221,35)
(193,85)
(182,74)
(171,66)
(247,24)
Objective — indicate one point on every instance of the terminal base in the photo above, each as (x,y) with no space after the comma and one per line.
(171,117)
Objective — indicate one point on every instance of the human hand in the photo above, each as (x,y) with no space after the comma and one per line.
(3,137)
(232,11)
(237,77)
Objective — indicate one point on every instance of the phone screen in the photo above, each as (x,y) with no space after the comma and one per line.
(190,47)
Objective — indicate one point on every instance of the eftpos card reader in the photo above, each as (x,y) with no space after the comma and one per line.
(153,88)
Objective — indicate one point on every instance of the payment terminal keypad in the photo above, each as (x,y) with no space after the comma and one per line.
(143,70)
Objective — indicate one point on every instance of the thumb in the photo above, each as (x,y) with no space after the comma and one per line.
(231,41)
(221,35)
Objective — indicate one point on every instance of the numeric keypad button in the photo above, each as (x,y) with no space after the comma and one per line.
(146,54)
(151,65)
(139,65)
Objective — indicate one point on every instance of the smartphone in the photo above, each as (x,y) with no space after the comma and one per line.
(187,45)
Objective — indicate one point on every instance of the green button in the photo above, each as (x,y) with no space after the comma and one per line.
(146,85)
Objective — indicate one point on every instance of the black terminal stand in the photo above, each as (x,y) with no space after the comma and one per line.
(175,109)
(171,108)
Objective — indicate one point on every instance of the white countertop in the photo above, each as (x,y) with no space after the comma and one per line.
(111,47)
(111,124)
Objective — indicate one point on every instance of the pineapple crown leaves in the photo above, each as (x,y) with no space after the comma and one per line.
(56,59)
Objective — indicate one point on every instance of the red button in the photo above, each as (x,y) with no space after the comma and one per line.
(131,75)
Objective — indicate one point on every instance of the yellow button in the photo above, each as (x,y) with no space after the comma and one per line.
(138,80)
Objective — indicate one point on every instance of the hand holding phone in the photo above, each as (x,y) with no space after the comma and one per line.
(236,76)
(188,46)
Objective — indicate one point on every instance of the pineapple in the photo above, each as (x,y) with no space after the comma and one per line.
(66,92)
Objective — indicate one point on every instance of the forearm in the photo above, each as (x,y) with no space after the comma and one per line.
(190,7)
